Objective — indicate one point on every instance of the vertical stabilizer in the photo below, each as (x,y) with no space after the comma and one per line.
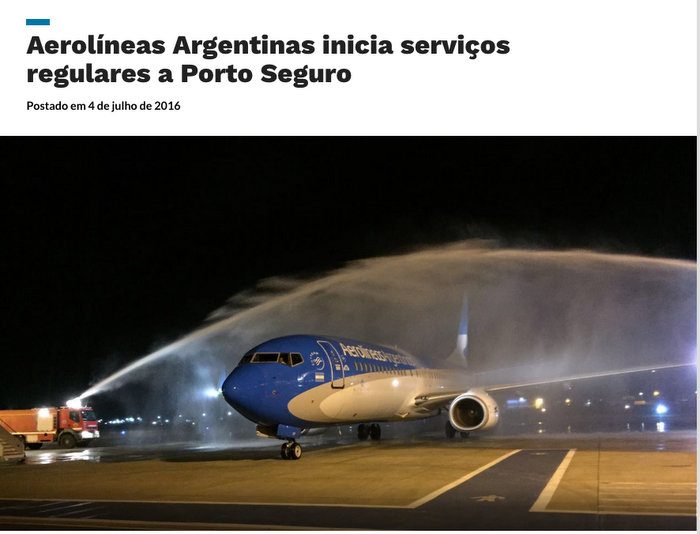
(459,355)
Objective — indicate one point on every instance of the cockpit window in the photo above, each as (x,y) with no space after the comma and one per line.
(286,358)
(266,357)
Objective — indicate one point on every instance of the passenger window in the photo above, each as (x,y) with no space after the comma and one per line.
(296,358)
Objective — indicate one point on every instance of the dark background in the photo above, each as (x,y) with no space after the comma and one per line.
(114,246)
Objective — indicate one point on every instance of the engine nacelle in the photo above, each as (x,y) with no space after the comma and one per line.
(473,410)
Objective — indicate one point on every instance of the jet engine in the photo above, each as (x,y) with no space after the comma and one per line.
(473,410)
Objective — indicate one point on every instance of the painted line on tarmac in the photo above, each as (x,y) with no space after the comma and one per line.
(547,493)
(228,503)
(605,512)
(412,505)
(448,487)
(121,524)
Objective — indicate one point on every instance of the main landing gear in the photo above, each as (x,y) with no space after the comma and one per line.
(451,432)
(372,431)
(291,451)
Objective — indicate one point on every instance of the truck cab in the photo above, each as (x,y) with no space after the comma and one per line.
(76,426)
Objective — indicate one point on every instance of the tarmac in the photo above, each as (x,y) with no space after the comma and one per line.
(631,481)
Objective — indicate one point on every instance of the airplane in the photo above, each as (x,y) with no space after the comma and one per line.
(299,384)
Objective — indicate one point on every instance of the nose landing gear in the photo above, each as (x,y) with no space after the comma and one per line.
(291,451)
(372,431)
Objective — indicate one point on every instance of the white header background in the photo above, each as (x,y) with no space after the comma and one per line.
(576,67)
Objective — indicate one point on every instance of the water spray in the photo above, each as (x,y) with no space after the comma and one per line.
(554,312)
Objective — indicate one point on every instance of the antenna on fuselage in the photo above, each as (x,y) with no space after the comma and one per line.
(459,355)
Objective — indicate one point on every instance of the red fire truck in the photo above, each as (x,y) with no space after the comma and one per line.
(68,426)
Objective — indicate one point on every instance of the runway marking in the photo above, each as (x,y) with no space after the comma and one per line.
(231,503)
(610,512)
(448,487)
(610,497)
(414,504)
(547,493)
(122,524)
(668,498)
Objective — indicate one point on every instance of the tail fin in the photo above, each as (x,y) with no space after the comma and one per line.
(459,355)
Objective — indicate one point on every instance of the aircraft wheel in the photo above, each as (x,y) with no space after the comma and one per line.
(294,451)
(450,431)
(285,451)
(375,432)
(362,432)
(464,435)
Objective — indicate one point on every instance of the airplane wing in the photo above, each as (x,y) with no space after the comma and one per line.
(432,401)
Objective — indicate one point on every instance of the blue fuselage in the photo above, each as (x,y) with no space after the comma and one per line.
(308,381)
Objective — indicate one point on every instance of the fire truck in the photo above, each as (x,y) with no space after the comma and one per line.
(67,426)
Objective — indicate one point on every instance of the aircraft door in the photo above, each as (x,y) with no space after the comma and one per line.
(337,371)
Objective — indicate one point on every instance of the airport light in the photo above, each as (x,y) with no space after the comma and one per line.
(74,403)
(212,393)
(656,393)
(539,402)
(661,409)
(567,401)
(627,406)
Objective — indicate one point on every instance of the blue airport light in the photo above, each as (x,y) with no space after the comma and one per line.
(211,393)
(661,409)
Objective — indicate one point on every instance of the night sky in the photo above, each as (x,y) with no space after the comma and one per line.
(115,246)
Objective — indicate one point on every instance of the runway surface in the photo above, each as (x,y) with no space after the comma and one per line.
(634,481)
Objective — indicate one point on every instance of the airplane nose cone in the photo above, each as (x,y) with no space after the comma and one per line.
(238,389)
(231,389)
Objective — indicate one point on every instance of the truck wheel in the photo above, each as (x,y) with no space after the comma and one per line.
(66,441)
(33,446)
